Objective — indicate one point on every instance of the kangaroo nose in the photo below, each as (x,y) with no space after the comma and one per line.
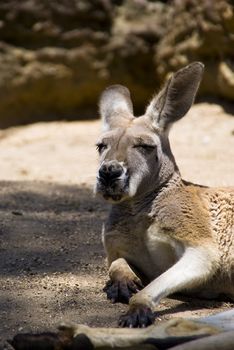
(110,171)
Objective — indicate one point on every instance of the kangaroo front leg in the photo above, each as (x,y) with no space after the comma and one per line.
(123,282)
(194,268)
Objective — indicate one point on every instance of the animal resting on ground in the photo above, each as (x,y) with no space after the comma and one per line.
(163,234)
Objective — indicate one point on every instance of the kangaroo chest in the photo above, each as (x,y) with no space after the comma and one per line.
(147,248)
(163,250)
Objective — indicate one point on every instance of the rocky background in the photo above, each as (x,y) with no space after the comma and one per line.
(57,55)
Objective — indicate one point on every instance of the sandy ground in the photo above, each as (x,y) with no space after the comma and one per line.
(52,264)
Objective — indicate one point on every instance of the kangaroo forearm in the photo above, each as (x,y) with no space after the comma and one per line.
(194,268)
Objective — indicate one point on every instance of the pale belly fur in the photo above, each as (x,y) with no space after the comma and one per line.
(158,252)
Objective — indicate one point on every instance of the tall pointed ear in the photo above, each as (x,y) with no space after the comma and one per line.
(115,104)
(176,98)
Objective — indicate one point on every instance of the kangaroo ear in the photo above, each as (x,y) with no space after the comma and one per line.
(176,98)
(115,104)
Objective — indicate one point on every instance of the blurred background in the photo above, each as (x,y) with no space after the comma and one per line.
(57,55)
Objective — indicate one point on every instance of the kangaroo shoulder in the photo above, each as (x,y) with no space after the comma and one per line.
(182,213)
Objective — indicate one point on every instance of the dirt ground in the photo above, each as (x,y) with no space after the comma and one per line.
(52,264)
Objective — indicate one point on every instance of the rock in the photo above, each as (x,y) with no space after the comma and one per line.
(200,30)
(225,80)
(50,59)
(56,58)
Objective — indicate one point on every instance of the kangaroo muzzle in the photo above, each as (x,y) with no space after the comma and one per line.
(112,180)
(110,172)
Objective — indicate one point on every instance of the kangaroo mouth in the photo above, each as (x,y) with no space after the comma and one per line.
(112,193)
(113,197)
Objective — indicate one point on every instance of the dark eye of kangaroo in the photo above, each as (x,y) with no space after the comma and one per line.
(145,147)
(101,147)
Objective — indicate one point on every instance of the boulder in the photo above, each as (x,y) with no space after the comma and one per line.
(200,30)
(57,56)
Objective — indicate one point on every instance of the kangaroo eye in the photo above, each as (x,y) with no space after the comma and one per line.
(145,147)
(101,147)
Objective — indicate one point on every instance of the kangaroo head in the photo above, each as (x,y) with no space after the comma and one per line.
(135,155)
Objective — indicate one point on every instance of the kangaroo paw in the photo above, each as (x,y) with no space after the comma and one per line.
(121,291)
(139,316)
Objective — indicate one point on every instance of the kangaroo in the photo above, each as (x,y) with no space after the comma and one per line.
(163,234)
